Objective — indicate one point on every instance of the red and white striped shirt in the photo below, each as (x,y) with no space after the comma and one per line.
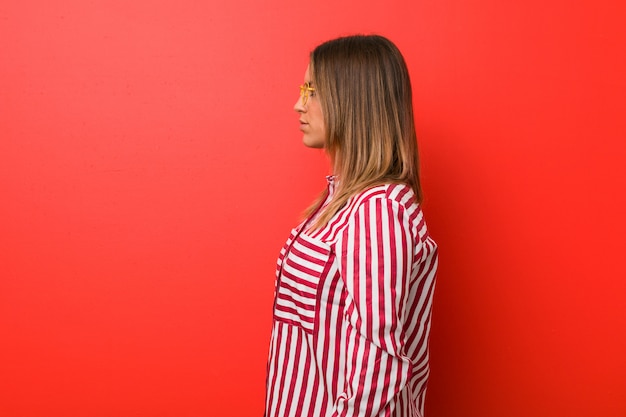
(352,312)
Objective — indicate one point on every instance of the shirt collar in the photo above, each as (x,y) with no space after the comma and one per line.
(332,183)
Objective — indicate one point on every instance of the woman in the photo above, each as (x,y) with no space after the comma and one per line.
(355,279)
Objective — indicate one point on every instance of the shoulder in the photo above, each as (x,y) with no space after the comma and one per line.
(400,196)
(381,204)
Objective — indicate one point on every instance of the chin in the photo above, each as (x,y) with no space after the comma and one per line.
(312,143)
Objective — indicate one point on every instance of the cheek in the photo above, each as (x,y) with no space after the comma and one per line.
(319,118)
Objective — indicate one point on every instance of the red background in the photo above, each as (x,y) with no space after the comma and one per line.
(151,167)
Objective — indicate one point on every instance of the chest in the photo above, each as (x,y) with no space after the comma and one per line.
(308,283)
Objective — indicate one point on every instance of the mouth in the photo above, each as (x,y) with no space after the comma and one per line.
(303,124)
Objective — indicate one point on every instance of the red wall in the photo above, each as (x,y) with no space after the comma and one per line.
(151,167)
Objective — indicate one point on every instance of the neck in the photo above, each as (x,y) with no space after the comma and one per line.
(335,166)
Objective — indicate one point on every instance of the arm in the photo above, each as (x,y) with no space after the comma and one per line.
(376,252)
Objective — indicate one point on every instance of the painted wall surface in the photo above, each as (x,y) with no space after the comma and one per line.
(151,168)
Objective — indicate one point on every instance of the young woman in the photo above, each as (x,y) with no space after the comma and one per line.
(355,279)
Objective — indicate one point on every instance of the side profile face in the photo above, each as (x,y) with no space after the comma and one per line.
(311,118)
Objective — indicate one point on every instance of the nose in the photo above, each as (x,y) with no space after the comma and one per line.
(298,107)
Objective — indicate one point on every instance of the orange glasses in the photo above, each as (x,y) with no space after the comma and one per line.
(305,92)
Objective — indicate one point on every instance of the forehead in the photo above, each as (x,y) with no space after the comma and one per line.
(307,74)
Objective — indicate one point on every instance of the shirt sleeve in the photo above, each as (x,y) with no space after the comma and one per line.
(376,252)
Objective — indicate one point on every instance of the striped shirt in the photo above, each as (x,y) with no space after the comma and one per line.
(352,312)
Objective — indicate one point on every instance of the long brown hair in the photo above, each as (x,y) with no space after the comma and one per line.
(364,89)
